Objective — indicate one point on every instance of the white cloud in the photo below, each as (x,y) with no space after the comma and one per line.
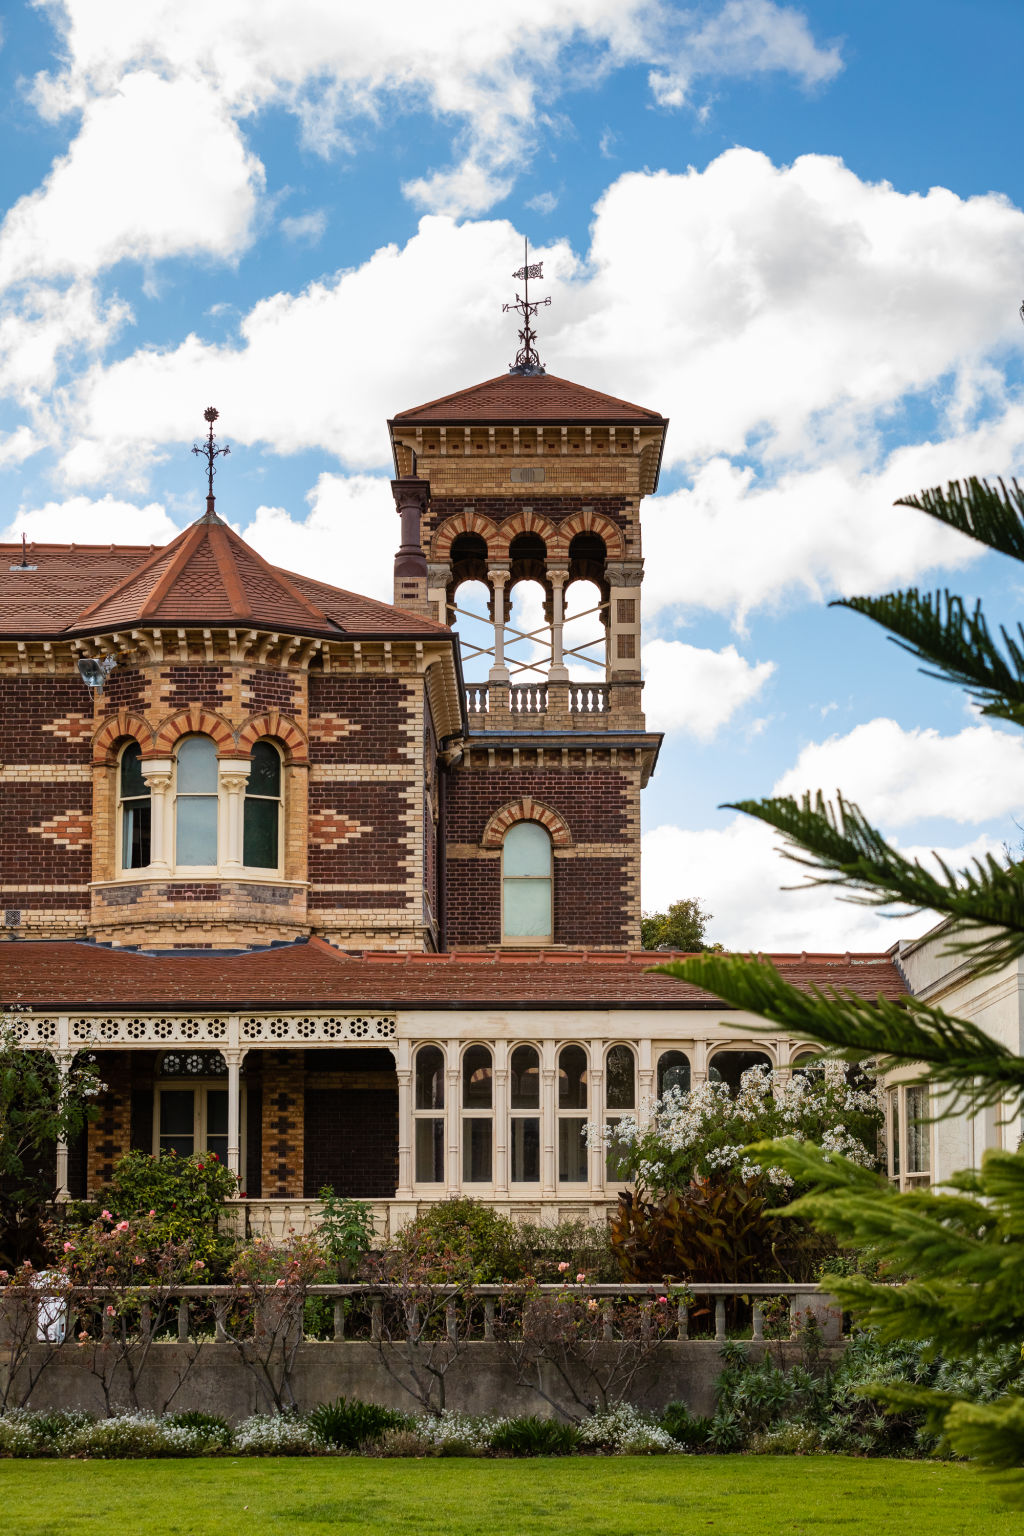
(158,169)
(746,38)
(740,878)
(80,520)
(305,228)
(698,691)
(42,326)
(348,538)
(898,776)
(543,203)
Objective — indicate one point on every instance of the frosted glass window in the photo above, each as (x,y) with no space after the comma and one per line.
(526,882)
(195,809)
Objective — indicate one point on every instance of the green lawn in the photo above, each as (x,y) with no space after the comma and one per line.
(617,1496)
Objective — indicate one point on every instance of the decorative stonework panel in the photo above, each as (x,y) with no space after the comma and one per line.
(310,1028)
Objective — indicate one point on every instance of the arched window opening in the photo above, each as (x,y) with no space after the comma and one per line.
(584,644)
(135,810)
(428,1113)
(673,1072)
(729,1066)
(469,612)
(572,1097)
(526,884)
(527,632)
(195,804)
(588,557)
(528,558)
(808,1065)
(261,831)
(619,1094)
(477,1120)
(524,1105)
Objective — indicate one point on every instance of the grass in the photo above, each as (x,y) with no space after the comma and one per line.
(620,1496)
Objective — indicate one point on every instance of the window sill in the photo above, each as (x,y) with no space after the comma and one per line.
(145,876)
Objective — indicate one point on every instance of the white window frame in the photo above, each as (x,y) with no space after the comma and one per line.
(268,871)
(579,1115)
(199,1087)
(613,1116)
(466,1114)
(431,1113)
(897,1141)
(526,1114)
(529,940)
(154,809)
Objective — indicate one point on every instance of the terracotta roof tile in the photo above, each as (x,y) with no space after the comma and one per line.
(526,397)
(207,575)
(62,974)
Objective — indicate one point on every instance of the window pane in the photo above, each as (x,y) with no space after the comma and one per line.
(132,782)
(527,909)
(265,773)
(572,1078)
(572,1151)
(429,1078)
(526,850)
(918,1133)
(614,1163)
(259,834)
(217,1111)
(476,1078)
(430,1151)
(177,1111)
(526,1150)
(620,1079)
(729,1066)
(196,830)
(894,1130)
(673,1072)
(135,834)
(525,1084)
(197,766)
(476,1151)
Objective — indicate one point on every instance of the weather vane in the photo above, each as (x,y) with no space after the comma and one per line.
(211,454)
(527,360)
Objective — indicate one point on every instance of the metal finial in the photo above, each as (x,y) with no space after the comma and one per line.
(210,454)
(527,360)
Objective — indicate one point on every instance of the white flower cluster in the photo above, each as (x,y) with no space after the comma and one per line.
(627,1431)
(271,1434)
(133,1434)
(451,1429)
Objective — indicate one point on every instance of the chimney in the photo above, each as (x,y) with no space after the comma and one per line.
(412,496)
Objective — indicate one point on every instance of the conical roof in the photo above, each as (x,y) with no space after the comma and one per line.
(533,398)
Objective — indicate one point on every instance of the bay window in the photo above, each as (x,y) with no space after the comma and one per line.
(572,1097)
(428,1113)
(524,1108)
(134,810)
(477,1118)
(195,803)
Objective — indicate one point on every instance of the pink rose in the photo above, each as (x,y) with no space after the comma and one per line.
(4,1275)
(111,1312)
(591,1305)
(138,1258)
(69,1247)
(198,1264)
(122,1226)
(663,1301)
(152,1213)
(279,1285)
(580,1278)
(106,1216)
(562,1267)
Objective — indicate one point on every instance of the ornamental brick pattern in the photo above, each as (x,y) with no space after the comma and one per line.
(195,684)
(283,1140)
(70,830)
(109,1135)
(377,710)
(32,710)
(329,830)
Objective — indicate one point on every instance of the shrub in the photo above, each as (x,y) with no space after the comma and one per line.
(531,1436)
(690,1429)
(346,1425)
(458,1434)
(626,1431)
(275,1434)
(129,1435)
(786,1440)
(186,1196)
(489,1245)
(401,1442)
(18,1436)
(345,1231)
(208,1428)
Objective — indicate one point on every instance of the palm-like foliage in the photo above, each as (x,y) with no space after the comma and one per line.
(963,1246)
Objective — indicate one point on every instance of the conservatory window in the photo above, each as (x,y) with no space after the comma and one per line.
(429,1115)
(195,804)
(572,1097)
(262,812)
(524,1105)
(477,1121)
(673,1072)
(526,884)
(918,1133)
(135,809)
(729,1066)
(619,1093)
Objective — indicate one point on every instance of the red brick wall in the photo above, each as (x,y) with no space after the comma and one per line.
(377,712)
(196,684)
(29,704)
(33,856)
(351,1140)
(593,801)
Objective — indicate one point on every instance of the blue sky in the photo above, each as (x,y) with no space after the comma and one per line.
(795,230)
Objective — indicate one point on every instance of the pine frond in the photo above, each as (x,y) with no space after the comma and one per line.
(955,643)
(840,847)
(991,514)
(959,1055)
(993,1435)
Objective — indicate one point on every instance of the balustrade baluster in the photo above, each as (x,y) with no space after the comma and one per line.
(756,1321)
(183,1320)
(376,1319)
(720,1319)
(488,1317)
(339,1320)
(682,1321)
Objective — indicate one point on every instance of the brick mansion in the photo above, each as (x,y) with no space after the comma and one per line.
(346,891)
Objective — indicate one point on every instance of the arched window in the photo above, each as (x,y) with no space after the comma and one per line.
(729,1066)
(808,1065)
(477,1122)
(428,1113)
(619,1093)
(572,1097)
(195,803)
(261,834)
(673,1072)
(526,884)
(524,1105)
(135,809)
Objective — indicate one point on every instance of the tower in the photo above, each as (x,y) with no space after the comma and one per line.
(530,481)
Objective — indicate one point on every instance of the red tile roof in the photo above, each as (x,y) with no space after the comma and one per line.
(207,575)
(528,397)
(48,974)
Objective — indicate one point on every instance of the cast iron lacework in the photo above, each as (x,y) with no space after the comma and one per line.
(193,1064)
(311,1027)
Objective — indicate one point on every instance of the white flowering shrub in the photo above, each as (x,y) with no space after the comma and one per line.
(626,1431)
(275,1434)
(701,1134)
(132,1434)
(458,1434)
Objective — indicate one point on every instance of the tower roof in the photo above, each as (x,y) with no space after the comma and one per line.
(207,575)
(533,398)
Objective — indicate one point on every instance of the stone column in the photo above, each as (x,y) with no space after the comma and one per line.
(232,777)
(501,1119)
(157,775)
(645,1087)
(596,1116)
(498,576)
(452,1116)
(558,575)
(403,1071)
(64,1060)
(234,1064)
(548,1121)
